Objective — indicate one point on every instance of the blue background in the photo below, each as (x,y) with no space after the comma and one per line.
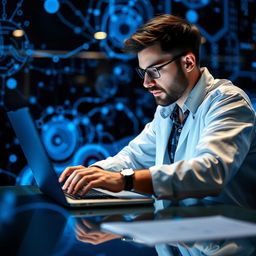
(84,95)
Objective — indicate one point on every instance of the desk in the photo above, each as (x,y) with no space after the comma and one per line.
(32,224)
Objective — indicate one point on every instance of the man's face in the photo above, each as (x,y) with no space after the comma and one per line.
(172,83)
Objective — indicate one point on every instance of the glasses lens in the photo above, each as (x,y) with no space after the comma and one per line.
(153,72)
(141,72)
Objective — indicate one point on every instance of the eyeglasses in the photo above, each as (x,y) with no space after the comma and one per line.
(153,72)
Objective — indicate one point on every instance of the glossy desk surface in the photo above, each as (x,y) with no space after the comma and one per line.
(32,224)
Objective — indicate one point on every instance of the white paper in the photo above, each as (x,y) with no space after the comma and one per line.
(177,230)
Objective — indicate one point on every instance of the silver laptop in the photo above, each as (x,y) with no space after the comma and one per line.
(46,177)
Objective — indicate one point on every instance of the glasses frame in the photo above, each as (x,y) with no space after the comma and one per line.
(142,71)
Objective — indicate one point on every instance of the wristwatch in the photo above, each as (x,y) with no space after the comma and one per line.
(128,178)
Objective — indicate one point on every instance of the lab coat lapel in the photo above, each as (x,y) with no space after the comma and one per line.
(183,136)
(163,138)
(163,134)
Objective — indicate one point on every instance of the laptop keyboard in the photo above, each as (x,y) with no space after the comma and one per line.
(91,194)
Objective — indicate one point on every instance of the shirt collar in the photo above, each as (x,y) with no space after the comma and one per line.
(199,91)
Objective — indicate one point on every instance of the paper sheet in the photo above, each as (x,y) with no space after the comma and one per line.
(187,229)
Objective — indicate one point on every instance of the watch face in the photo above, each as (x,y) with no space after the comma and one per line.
(127,172)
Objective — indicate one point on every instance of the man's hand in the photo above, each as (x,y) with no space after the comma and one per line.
(80,177)
(90,233)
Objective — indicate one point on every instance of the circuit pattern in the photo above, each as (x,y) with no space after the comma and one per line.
(83,92)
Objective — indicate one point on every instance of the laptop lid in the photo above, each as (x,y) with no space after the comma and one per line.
(44,172)
(35,153)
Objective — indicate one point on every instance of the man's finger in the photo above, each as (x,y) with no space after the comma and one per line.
(84,182)
(90,185)
(68,171)
(69,180)
(75,177)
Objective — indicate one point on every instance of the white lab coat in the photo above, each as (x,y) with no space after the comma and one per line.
(216,152)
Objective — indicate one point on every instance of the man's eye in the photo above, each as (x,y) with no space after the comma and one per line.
(152,70)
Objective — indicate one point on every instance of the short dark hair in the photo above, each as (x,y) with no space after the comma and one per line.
(171,32)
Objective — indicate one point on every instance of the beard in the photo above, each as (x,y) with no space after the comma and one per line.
(167,98)
(172,91)
(166,101)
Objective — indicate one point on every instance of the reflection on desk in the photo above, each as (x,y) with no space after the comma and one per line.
(238,247)
(32,224)
(234,247)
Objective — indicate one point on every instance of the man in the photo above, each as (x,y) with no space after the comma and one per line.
(201,142)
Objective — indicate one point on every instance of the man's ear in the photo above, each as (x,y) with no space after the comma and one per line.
(190,61)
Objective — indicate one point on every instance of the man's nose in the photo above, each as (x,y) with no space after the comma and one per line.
(148,81)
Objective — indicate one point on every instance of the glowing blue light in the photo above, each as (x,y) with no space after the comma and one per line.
(131,3)
(192,16)
(60,116)
(50,110)
(11,83)
(104,110)
(205,2)
(57,140)
(86,46)
(40,84)
(33,100)
(96,12)
(71,127)
(99,127)
(117,70)
(119,106)
(29,52)
(85,121)
(16,66)
(51,6)
(55,59)
(67,69)
(48,72)
(114,18)
(77,30)
(13,158)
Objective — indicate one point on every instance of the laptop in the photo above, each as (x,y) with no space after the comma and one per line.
(46,177)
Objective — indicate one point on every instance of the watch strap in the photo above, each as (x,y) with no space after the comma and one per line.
(128,185)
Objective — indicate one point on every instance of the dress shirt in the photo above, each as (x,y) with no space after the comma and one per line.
(176,131)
